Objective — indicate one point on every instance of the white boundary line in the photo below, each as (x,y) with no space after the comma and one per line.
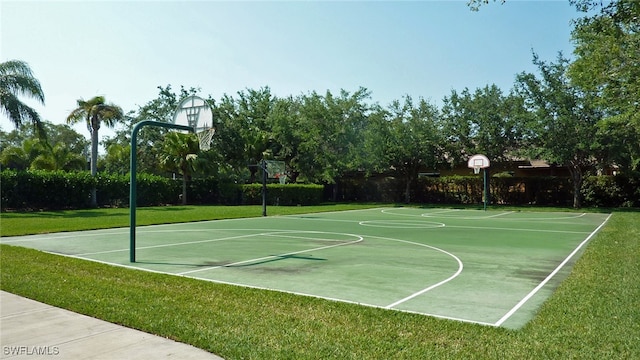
(36,237)
(273,256)
(172,244)
(60,235)
(402,224)
(418,293)
(516,229)
(546,280)
(266,288)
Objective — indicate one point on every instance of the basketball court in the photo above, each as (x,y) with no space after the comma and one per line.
(489,267)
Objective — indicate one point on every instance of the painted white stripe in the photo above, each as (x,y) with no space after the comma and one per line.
(516,229)
(460,267)
(553,273)
(172,244)
(500,214)
(271,257)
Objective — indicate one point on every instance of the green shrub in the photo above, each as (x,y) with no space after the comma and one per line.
(289,194)
(611,191)
(113,190)
(35,190)
(157,190)
(204,191)
(230,194)
(40,189)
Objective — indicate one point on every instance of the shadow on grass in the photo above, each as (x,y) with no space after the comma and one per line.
(166,208)
(88,213)
(62,214)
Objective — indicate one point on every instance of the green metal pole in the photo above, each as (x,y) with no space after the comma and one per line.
(133,182)
(264,187)
(486,188)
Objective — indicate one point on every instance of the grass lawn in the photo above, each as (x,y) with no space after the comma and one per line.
(17,223)
(594,314)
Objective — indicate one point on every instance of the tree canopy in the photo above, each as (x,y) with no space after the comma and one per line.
(582,113)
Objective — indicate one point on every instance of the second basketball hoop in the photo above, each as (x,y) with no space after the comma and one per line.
(477,162)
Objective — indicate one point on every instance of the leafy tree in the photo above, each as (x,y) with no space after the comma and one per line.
(620,11)
(20,157)
(179,154)
(58,157)
(16,79)
(287,134)
(117,159)
(94,112)
(316,133)
(14,137)
(55,133)
(407,139)
(22,146)
(565,120)
(254,108)
(228,141)
(65,134)
(331,130)
(209,163)
(606,65)
(150,139)
(243,131)
(485,122)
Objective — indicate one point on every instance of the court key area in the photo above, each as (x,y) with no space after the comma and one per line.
(489,267)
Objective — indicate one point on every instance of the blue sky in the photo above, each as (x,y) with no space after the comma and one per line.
(124,50)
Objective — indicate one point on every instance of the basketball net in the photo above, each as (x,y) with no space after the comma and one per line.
(204,138)
(476,170)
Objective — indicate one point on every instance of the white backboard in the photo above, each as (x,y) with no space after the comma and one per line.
(478,161)
(194,111)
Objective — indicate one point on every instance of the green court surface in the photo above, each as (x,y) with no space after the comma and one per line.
(489,267)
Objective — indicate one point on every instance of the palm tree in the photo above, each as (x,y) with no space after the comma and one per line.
(94,112)
(16,79)
(21,157)
(59,157)
(179,154)
(117,159)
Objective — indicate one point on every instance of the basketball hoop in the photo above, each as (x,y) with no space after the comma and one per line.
(195,112)
(477,162)
(275,169)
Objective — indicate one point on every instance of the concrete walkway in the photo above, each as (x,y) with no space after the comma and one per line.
(33,330)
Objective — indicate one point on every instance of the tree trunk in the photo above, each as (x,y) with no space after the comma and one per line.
(94,161)
(407,191)
(184,190)
(252,174)
(576,177)
(185,174)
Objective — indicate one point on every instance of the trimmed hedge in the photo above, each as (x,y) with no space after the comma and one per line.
(39,189)
(605,191)
(290,194)
(35,190)
(55,190)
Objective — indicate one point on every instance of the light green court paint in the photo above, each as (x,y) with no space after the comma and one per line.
(490,267)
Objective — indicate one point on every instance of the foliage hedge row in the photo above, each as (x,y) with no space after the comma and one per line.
(35,190)
(597,191)
(31,190)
